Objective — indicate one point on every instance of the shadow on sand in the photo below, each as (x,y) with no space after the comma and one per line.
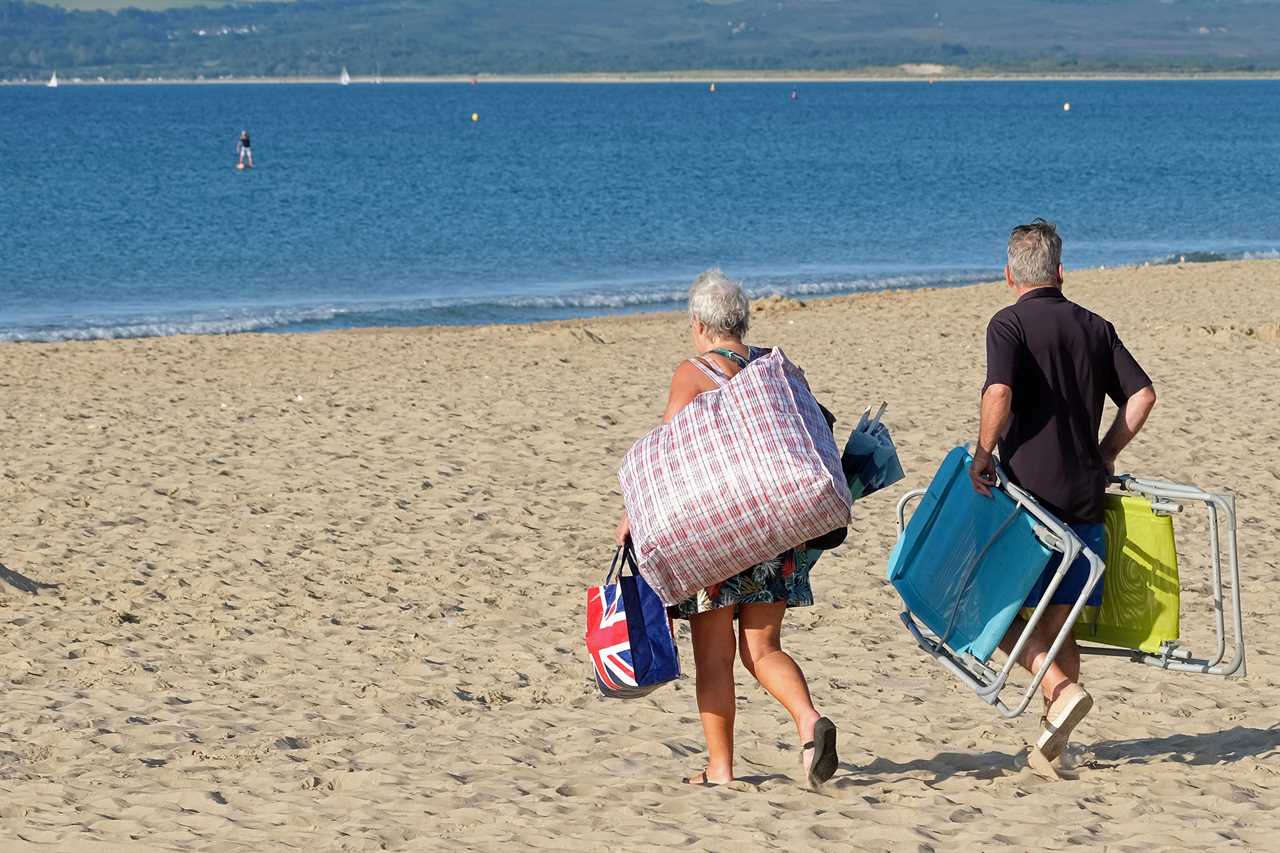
(944,765)
(1223,747)
(21,582)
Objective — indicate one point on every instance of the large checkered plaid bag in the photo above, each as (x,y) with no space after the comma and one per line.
(738,476)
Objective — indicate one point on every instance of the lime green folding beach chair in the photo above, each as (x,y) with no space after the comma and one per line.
(1140,615)
(1141,600)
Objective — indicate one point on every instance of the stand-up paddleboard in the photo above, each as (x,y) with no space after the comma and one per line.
(240,167)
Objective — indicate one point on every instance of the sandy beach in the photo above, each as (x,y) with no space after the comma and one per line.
(326,592)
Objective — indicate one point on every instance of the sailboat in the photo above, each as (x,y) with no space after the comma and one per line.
(377,73)
(53,81)
(344,79)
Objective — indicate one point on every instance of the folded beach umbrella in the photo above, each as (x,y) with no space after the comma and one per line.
(870,460)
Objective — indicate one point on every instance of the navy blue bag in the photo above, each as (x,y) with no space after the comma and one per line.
(633,650)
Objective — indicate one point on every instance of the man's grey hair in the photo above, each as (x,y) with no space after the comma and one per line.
(720,303)
(1035,253)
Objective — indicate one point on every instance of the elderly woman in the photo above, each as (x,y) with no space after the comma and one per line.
(756,597)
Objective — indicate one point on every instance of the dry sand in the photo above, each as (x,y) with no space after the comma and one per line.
(326,592)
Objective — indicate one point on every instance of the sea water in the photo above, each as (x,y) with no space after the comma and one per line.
(121,213)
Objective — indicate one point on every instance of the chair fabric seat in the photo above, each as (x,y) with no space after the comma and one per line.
(966,562)
(1141,601)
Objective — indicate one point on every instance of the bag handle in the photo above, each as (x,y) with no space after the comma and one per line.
(715,374)
(627,554)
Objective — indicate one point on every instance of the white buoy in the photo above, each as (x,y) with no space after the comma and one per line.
(1066,108)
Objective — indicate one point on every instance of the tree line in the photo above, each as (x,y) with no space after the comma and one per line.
(401,37)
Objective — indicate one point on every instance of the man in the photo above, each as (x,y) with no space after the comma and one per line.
(243,150)
(1050,364)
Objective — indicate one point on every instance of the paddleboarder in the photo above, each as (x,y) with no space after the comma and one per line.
(243,150)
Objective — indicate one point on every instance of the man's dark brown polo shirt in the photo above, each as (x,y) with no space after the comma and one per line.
(1061,361)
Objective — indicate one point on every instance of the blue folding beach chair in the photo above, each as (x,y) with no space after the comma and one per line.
(965,564)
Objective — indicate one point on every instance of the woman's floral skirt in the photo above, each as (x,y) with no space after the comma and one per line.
(784,578)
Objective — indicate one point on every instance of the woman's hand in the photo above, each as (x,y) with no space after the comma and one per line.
(623,531)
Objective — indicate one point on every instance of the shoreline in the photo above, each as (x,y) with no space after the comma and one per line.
(916,74)
(765,303)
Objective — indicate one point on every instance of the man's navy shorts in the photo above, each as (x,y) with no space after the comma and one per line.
(1093,535)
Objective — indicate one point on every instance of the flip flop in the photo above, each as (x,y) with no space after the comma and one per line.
(825,759)
(704,783)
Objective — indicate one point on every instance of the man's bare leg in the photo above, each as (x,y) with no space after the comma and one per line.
(1033,653)
(1066,702)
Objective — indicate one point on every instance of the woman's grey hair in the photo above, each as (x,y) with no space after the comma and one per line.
(720,304)
(1035,253)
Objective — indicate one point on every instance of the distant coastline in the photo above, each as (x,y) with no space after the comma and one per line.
(896,74)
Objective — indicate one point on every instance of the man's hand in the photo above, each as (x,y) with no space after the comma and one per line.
(623,531)
(982,473)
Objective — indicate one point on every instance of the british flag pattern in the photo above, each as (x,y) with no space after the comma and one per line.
(609,640)
(629,637)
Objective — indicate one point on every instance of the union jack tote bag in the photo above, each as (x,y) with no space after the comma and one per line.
(629,634)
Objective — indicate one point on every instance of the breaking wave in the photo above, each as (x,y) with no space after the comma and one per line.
(1195,257)
(444,311)
(515,308)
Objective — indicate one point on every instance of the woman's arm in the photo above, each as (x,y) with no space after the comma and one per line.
(687,383)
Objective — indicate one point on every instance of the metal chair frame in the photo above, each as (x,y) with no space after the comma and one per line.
(1168,499)
(988,683)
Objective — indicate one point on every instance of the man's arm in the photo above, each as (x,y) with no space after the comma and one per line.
(1129,420)
(1004,346)
(997,408)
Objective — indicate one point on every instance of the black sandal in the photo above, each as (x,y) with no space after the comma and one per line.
(705,783)
(825,759)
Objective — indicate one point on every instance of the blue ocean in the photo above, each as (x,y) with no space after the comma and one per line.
(374,205)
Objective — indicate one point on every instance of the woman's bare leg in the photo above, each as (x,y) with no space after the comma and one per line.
(760,645)
(713,654)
